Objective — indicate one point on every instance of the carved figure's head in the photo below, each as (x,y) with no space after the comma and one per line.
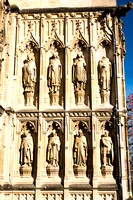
(106,133)
(104,62)
(80,132)
(54,132)
(55,54)
(79,54)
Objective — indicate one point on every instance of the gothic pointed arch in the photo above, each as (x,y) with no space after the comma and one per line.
(54,39)
(30,41)
(80,125)
(104,41)
(78,40)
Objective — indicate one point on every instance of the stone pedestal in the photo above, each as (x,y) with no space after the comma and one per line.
(29,96)
(54,98)
(80,171)
(79,95)
(105,96)
(26,171)
(107,171)
(53,172)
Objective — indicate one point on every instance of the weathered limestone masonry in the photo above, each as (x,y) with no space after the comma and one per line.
(58,136)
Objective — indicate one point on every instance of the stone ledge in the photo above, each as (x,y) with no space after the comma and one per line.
(52,187)
(106,187)
(80,187)
(17,187)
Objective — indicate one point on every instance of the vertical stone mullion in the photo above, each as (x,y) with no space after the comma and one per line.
(94,150)
(66,179)
(39,151)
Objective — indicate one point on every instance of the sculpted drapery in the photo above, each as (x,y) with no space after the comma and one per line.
(54,73)
(29,72)
(53,149)
(104,73)
(79,74)
(106,149)
(80,149)
(26,148)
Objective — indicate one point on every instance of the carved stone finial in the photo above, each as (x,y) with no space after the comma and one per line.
(54,25)
(30,26)
(78,25)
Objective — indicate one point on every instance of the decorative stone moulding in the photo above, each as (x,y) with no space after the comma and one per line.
(52,195)
(82,195)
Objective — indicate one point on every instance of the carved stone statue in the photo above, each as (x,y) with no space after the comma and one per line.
(54,73)
(26,148)
(80,149)
(79,75)
(106,149)
(79,78)
(54,77)
(29,72)
(53,149)
(104,78)
(29,79)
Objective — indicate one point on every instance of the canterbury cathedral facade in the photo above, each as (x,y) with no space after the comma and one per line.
(62,101)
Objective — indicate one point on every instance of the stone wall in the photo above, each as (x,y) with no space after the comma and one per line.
(57,131)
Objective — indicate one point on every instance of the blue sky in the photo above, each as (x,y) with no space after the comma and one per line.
(128,31)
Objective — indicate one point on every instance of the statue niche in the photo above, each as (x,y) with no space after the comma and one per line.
(104,79)
(107,154)
(54,77)
(79,78)
(29,76)
(53,150)
(80,154)
(26,149)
